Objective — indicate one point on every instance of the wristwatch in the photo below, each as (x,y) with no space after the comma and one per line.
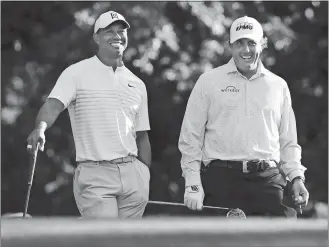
(300,177)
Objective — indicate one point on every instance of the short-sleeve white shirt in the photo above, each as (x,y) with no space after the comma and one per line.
(106,109)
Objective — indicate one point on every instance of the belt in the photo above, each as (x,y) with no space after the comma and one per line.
(246,166)
(126,159)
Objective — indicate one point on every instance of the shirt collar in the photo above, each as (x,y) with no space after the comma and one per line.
(231,68)
(102,65)
(262,70)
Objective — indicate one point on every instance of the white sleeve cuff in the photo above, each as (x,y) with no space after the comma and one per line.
(296,173)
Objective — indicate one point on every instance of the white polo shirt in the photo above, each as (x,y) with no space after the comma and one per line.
(106,109)
(229,117)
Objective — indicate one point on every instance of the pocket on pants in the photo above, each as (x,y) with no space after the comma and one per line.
(76,189)
(75,179)
(144,173)
(273,177)
(79,184)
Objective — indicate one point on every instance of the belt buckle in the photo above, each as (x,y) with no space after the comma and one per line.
(245,166)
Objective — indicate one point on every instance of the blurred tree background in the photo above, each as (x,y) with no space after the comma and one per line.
(170,45)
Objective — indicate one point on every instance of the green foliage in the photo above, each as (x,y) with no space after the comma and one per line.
(170,45)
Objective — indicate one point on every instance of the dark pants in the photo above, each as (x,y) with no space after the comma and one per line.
(257,194)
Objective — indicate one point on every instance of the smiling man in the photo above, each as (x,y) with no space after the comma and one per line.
(108,110)
(238,138)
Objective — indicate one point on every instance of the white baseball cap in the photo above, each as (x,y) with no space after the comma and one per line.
(246,27)
(107,19)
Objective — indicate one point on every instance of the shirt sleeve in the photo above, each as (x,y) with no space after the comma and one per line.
(65,87)
(143,123)
(290,151)
(191,138)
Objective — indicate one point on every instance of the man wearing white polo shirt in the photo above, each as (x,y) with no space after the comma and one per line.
(108,110)
(238,138)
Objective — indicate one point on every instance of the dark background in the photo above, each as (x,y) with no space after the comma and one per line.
(170,45)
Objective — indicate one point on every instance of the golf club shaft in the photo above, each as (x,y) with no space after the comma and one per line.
(183,205)
(30,181)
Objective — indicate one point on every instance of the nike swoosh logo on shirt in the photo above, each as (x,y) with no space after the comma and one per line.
(129,85)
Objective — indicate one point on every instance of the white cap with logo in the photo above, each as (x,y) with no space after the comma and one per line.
(246,27)
(107,19)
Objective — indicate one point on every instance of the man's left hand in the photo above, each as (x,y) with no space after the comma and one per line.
(300,194)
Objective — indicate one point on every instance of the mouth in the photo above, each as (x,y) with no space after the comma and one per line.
(116,45)
(247,58)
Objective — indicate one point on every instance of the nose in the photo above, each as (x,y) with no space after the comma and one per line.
(245,48)
(116,35)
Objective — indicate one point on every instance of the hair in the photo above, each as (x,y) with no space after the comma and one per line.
(263,43)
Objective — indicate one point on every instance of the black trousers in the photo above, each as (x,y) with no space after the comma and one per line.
(257,194)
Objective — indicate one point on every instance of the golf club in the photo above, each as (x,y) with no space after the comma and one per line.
(232,213)
(32,162)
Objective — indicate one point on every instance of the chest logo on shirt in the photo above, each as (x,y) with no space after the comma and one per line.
(230,89)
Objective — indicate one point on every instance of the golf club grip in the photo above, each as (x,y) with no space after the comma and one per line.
(33,161)
(183,205)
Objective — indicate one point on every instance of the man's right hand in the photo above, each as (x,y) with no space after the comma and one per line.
(37,136)
(193,197)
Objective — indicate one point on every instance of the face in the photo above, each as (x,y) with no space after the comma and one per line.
(245,53)
(112,40)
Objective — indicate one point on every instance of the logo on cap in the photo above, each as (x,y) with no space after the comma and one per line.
(114,15)
(244,26)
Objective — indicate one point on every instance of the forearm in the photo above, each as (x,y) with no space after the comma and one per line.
(290,156)
(48,113)
(191,173)
(190,145)
(290,151)
(144,148)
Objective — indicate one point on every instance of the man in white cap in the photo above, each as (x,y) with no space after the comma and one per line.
(108,110)
(238,138)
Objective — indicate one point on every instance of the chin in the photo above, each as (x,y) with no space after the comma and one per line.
(250,64)
(115,53)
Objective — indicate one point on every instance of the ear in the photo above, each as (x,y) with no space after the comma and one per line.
(96,38)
